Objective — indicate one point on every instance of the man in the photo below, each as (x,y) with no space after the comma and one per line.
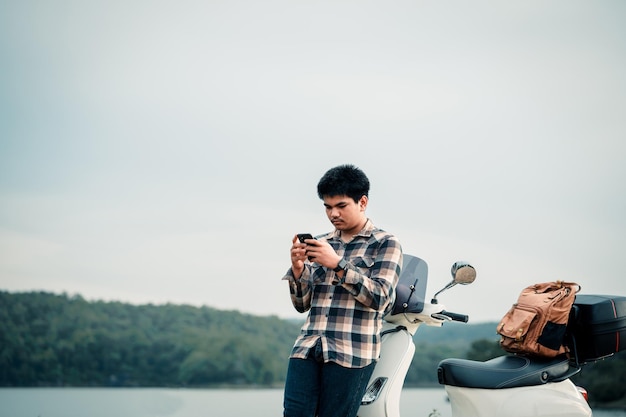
(346,280)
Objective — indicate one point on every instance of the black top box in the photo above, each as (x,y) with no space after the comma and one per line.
(597,326)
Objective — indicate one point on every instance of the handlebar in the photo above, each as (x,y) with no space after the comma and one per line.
(464,318)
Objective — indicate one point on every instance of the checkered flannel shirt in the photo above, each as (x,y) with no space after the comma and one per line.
(347,314)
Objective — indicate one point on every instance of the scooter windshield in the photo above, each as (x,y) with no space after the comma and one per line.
(411,288)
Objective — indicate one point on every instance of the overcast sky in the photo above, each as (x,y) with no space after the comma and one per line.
(155,152)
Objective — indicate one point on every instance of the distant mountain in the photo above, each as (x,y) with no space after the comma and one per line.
(456,334)
(59,340)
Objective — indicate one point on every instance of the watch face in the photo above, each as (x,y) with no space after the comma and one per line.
(341,265)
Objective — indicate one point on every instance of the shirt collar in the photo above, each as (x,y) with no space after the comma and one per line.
(366,231)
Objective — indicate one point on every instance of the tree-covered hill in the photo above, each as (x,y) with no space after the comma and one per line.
(56,340)
(59,340)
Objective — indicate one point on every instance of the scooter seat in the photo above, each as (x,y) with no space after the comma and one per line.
(504,372)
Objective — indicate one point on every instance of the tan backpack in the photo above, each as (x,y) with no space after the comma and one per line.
(536,324)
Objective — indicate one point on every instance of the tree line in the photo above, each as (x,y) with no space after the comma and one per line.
(60,340)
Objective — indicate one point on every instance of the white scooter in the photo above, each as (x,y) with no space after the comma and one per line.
(510,385)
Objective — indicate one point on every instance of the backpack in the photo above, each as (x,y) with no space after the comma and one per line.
(537,323)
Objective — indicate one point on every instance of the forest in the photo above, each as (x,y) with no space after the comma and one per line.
(57,340)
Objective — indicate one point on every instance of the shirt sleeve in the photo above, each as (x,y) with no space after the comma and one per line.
(300,289)
(376,290)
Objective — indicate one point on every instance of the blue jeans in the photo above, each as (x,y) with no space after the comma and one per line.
(314,388)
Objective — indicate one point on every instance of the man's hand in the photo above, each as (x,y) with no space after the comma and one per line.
(298,255)
(322,253)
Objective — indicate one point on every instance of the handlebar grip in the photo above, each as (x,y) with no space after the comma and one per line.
(456,317)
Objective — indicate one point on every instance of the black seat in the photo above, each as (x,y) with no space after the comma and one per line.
(504,372)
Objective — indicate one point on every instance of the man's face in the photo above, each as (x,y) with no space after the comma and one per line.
(344,213)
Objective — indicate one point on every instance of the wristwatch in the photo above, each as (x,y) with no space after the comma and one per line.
(342,265)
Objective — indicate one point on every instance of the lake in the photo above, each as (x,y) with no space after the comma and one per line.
(156,402)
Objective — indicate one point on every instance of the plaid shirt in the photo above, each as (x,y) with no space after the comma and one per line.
(347,314)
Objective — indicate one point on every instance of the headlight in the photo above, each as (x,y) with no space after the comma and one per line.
(373,391)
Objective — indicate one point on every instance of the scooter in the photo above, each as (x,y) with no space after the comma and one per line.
(509,385)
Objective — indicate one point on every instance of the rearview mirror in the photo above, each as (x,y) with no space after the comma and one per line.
(462,273)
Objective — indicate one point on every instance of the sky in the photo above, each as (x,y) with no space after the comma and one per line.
(167,152)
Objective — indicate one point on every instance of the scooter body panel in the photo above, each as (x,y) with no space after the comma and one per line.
(552,399)
(397,350)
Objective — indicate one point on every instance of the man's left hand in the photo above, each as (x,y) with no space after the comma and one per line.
(321,252)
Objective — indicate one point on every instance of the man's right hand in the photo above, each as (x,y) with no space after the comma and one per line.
(298,255)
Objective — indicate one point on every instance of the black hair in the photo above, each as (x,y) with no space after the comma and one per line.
(344,180)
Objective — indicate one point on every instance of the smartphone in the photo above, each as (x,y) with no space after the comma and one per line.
(303,236)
